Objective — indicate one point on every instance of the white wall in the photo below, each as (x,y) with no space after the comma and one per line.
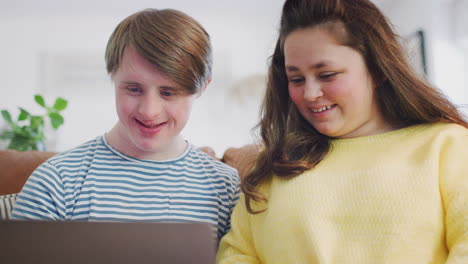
(447,60)
(40,35)
(42,39)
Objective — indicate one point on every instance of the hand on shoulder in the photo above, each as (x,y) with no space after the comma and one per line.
(242,158)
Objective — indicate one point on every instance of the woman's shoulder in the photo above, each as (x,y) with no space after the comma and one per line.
(429,130)
(447,128)
(442,130)
(440,136)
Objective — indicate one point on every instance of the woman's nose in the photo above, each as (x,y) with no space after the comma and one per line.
(312,91)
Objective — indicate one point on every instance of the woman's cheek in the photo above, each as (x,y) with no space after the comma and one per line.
(295,94)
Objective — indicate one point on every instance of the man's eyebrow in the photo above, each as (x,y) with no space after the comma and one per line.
(132,83)
(169,87)
(165,87)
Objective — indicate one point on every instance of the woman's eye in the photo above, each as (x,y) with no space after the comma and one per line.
(327,75)
(296,80)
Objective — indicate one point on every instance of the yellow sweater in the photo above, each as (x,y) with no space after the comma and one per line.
(398,197)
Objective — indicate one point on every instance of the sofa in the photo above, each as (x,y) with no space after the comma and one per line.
(17,166)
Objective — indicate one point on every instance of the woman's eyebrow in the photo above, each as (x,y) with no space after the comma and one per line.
(317,65)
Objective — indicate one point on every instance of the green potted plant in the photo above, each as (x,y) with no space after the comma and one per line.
(27,131)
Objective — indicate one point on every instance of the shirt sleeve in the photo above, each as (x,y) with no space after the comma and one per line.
(42,196)
(234,192)
(237,245)
(454,189)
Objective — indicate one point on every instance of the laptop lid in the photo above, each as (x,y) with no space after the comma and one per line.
(106,242)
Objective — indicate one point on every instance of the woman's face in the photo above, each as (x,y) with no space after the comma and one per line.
(330,85)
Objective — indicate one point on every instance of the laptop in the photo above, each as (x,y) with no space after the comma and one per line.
(25,242)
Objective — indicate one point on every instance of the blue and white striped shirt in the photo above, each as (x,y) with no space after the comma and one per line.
(95,182)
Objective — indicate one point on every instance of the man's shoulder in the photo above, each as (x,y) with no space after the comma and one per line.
(80,153)
(205,162)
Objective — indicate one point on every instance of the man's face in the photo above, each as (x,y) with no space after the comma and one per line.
(152,109)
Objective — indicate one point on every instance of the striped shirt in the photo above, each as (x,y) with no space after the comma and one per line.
(95,182)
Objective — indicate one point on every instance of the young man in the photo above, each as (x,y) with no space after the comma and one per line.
(142,169)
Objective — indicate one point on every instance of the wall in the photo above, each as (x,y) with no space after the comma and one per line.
(43,39)
(447,59)
(57,49)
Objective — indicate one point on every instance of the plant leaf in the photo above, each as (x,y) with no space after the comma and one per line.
(60,104)
(6,115)
(7,135)
(20,143)
(28,131)
(36,122)
(56,120)
(40,100)
(23,114)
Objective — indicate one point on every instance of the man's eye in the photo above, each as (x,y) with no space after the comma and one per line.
(166,93)
(133,89)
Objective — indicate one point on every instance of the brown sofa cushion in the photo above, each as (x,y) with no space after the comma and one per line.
(17,166)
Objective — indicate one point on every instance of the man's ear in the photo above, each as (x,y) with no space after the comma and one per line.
(202,90)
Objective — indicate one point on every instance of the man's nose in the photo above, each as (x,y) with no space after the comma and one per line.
(150,106)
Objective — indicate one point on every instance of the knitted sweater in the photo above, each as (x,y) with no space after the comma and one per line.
(396,197)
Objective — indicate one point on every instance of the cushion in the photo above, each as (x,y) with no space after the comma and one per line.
(17,166)
(6,205)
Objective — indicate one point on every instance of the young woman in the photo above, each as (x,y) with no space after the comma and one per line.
(362,161)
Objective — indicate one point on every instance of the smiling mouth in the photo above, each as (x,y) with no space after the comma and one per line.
(150,126)
(322,109)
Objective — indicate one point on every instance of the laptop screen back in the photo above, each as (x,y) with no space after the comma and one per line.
(106,242)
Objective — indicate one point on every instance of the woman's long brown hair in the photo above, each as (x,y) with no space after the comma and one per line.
(290,144)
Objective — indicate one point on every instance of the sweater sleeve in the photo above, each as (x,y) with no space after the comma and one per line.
(454,189)
(42,196)
(237,245)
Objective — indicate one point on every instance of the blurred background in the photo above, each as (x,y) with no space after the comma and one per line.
(56,48)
